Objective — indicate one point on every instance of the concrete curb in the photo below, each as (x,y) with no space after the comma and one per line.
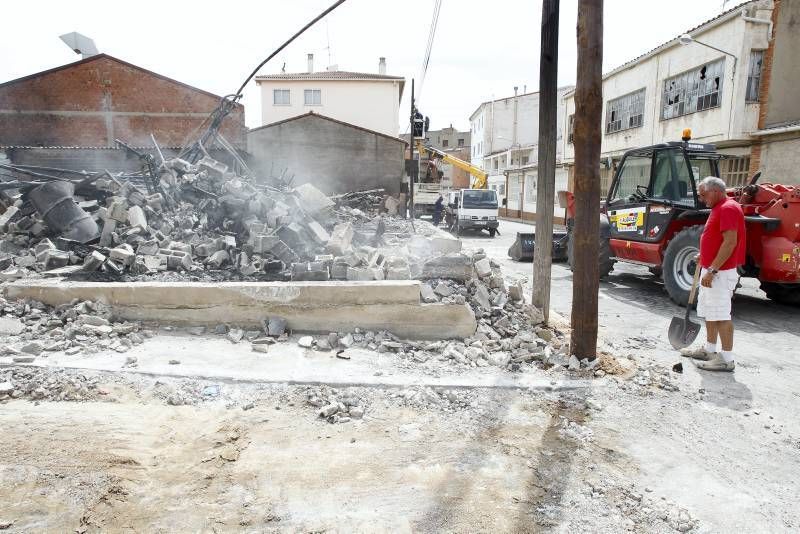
(316,307)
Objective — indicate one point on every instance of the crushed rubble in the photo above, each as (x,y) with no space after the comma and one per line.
(32,330)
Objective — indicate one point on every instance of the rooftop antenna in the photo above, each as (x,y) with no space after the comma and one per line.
(80,44)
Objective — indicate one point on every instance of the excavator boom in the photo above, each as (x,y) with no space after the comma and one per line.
(481,176)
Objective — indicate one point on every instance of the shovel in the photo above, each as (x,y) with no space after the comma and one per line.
(682,332)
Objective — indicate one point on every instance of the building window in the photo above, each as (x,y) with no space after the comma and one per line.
(733,171)
(693,90)
(625,112)
(460,142)
(524,160)
(571,129)
(754,75)
(502,189)
(280,97)
(445,143)
(312,97)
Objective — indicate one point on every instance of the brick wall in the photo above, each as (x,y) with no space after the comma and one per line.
(93,101)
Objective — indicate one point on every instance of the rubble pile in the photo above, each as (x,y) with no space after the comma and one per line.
(54,385)
(31,330)
(202,218)
(335,406)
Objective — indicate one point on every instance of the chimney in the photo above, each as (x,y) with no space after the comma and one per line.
(382,65)
(310,63)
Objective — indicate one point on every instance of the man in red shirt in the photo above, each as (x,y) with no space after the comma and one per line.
(722,250)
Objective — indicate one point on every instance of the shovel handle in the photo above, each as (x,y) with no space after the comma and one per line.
(694,286)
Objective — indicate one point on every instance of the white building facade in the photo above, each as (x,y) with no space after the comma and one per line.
(371,101)
(708,81)
(504,142)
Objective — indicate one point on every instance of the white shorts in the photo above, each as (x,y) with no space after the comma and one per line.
(714,303)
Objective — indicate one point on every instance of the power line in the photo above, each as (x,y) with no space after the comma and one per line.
(429,47)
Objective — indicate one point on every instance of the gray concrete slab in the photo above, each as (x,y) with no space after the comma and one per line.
(307,306)
(216,358)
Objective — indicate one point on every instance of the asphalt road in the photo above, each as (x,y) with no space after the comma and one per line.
(635,311)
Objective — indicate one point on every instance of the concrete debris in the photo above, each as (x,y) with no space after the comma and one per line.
(336,406)
(201,219)
(34,330)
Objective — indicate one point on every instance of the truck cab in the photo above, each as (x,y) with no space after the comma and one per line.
(472,209)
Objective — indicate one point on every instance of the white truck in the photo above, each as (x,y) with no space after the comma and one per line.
(472,209)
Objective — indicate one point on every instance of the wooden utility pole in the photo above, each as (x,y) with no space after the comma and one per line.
(411,177)
(546,167)
(588,120)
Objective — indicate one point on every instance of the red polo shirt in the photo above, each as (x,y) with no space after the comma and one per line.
(727,215)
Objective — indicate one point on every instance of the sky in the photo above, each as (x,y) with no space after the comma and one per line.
(481,49)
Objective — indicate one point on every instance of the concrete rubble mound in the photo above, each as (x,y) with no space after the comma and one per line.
(36,330)
(196,220)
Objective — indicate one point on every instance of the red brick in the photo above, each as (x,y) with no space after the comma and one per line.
(99,85)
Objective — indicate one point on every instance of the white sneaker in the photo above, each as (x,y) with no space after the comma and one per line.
(698,353)
(717,364)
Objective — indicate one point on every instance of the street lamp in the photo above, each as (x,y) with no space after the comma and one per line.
(687,39)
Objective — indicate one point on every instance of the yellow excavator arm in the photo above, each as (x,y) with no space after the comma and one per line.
(481,176)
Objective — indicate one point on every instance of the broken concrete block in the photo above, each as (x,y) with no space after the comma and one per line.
(41,246)
(7,216)
(482,297)
(263,243)
(339,271)
(312,199)
(235,335)
(361,274)
(213,167)
(136,217)
(177,245)
(310,271)
(123,254)
(306,342)
(426,293)
(340,239)
(12,273)
(218,259)
(27,261)
(398,273)
(155,201)
(319,233)
(107,234)
(180,165)
(276,326)
(293,235)
(93,261)
(515,292)
(483,268)
(204,250)
(284,253)
(153,263)
(229,241)
(451,266)
(148,248)
(55,259)
(118,210)
(443,290)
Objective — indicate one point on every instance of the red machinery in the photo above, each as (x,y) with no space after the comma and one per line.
(653,217)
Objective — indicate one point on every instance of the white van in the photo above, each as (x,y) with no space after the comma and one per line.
(472,209)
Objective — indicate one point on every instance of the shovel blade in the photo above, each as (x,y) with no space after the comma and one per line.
(682,332)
